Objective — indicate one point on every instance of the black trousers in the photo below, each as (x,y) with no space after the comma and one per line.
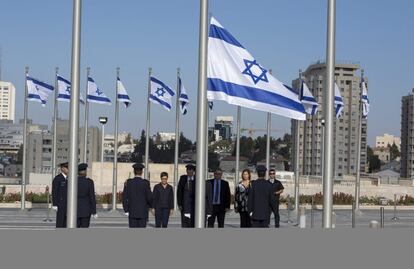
(61,219)
(137,222)
(218,213)
(245,220)
(277,216)
(83,222)
(162,216)
(260,223)
(187,222)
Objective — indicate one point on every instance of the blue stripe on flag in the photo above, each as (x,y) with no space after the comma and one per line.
(123,96)
(161,102)
(33,96)
(171,92)
(63,79)
(185,96)
(64,96)
(40,83)
(223,34)
(308,98)
(254,94)
(100,99)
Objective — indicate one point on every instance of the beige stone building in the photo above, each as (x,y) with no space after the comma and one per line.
(387,139)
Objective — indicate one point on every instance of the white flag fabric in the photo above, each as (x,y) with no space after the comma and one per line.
(37,90)
(161,93)
(307,99)
(183,97)
(234,76)
(339,103)
(122,94)
(95,95)
(365,100)
(64,90)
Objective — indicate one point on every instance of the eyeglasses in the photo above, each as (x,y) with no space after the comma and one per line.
(271,173)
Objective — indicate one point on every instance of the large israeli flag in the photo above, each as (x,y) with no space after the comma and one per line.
(183,97)
(161,93)
(122,94)
(236,77)
(339,103)
(64,90)
(95,95)
(307,99)
(365,100)
(37,90)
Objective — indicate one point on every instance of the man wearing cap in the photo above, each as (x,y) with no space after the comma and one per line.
(59,195)
(261,200)
(86,198)
(137,198)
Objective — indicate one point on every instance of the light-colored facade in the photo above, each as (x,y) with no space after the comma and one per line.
(345,128)
(7,101)
(407,136)
(387,139)
(383,154)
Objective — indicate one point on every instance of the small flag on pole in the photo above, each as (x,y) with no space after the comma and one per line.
(95,95)
(307,99)
(64,88)
(38,91)
(339,103)
(183,98)
(161,93)
(122,94)
(365,100)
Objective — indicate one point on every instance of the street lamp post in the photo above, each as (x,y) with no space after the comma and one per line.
(103,121)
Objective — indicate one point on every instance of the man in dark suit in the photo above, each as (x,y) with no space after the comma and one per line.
(278,190)
(186,197)
(261,200)
(137,198)
(86,198)
(221,199)
(163,194)
(59,195)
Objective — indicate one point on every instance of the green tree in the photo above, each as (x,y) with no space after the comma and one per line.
(394,152)
(373,160)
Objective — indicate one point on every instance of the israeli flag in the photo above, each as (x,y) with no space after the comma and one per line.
(122,94)
(183,97)
(64,90)
(161,93)
(234,76)
(37,90)
(339,103)
(307,99)
(365,100)
(95,95)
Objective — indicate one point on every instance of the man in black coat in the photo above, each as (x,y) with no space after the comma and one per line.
(59,195)
(261,200)
(278,190)
(86,198)
(163,194)
(221,199)
(186,197)
(137,198)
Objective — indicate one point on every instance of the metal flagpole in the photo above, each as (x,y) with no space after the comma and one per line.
(177,136)
(55,116)
(237,170)
(329,118)
(85,133)
(268,134)
(297,153)
(358,164)
(201,116)
(148,126)
(115,166)
(74,117)
(26,106)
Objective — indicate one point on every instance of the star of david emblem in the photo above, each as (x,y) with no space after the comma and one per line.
(160,92)
(68,89)
(252,69)
(98,92)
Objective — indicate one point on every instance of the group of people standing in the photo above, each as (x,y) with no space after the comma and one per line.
(255,201)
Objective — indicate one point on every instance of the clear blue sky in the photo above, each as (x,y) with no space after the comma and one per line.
(283,35)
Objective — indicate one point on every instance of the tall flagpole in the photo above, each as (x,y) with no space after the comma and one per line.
(85,131)
(55,116)
(268,134)
(201,116)
(115,166)
(237,170)
(147,131)
(329,118)
(177,135)
(74,117)
(26,106)
(297,153)
(358,164)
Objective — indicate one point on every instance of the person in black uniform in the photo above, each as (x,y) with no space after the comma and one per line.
(261,200)
(278,190)
(59,195)
(163,194)
(186,197)
(221,199)
(86,198)
(137,198)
